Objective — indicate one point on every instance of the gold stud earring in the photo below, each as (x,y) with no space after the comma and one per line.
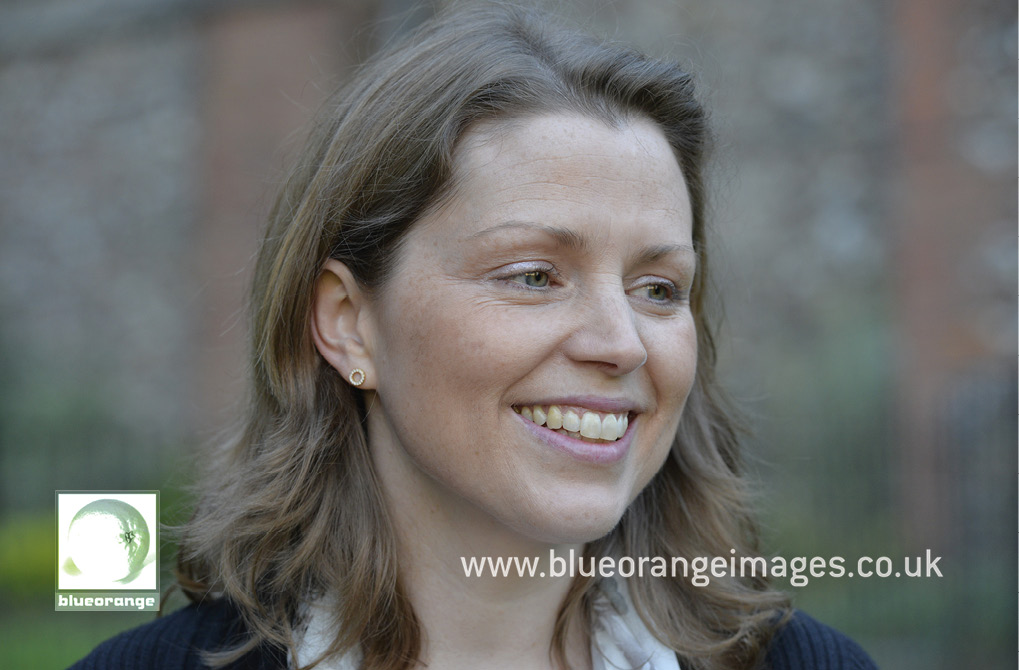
(357,376)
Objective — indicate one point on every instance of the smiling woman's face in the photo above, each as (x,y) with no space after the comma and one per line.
(534,346)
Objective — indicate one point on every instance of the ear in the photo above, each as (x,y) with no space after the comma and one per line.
(340,322)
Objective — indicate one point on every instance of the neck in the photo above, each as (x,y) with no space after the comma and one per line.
(469,621)
(485,621)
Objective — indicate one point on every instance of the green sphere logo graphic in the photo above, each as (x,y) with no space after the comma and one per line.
(108,539)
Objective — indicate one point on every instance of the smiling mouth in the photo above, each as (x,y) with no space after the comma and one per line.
(578,423)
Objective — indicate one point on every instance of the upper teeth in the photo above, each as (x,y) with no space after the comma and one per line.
(577,422)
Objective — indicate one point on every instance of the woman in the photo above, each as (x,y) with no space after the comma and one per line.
(480,330)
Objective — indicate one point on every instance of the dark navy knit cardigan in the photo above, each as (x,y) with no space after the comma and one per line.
(175,642)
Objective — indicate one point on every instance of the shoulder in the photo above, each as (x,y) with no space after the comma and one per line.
(803,643)
(177,641)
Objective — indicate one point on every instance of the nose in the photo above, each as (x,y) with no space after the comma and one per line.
(607,331)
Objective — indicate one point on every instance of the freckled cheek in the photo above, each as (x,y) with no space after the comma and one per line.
(672,359)
(420,350)
(445,374)
(672,364)
(473,352)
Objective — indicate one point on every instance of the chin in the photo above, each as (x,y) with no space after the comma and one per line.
(573,522)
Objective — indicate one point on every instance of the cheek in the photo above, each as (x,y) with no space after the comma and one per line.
(672,361)
(672,366)
(446,359)
(445,365)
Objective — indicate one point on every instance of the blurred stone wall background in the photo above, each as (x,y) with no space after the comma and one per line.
(864,218)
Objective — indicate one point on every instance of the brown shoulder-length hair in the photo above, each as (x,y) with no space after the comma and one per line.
(292,508)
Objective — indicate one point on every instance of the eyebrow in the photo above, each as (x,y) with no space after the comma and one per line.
(657,251)
(570,239)
(563,236)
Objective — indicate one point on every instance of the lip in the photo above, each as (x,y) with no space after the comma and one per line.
(597,403)
(588,452)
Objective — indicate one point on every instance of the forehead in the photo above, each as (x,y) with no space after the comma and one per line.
(566,170)
(564,147)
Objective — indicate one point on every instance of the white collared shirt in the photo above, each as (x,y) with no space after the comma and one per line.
(619,641)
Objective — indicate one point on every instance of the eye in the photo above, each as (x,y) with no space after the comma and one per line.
(532,278)
(536,278)
(659,292)
(663,292)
